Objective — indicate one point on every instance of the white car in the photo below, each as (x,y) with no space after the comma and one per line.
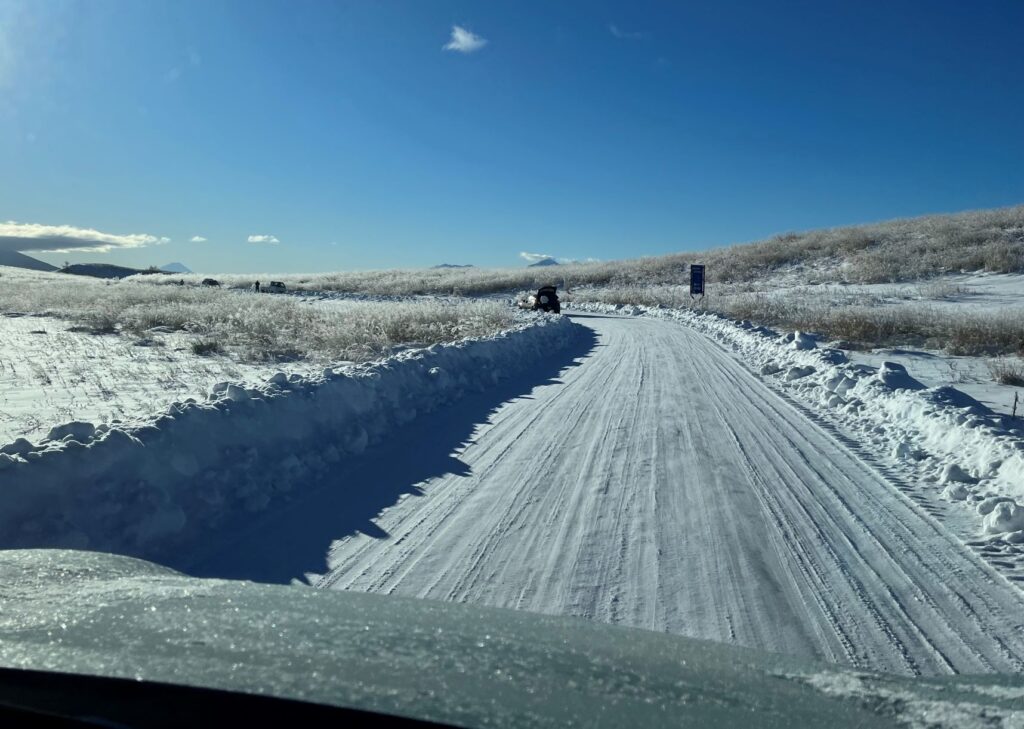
(275,287)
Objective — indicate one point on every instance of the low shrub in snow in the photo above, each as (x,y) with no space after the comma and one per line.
(204,347)
(1007,372)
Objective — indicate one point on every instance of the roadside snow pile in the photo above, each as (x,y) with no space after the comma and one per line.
(144,489)
(940,435)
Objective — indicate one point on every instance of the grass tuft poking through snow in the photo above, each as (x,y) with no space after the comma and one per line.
(204,347)
(1007,372)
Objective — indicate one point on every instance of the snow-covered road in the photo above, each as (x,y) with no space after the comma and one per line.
(660,484)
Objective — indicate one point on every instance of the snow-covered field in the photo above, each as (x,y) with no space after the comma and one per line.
(118,353)
(50,376)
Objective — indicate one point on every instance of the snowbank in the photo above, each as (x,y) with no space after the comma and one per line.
(940,435)
(146,488)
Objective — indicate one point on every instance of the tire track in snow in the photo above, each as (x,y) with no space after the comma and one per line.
(662,485)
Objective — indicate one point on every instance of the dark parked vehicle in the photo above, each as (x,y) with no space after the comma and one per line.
(211,282)
(547,300)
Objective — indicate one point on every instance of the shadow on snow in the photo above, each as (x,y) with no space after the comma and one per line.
(293,539)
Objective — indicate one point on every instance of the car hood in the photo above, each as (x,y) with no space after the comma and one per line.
(105,615)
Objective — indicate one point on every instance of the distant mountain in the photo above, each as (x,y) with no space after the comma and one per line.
(100,270)
(545,262)
(453,265)
(20,260)
(175,268)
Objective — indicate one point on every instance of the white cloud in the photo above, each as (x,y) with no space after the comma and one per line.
(67,238)
(464,41)
(264,239)
(534,257)
(625,34)
(197,239)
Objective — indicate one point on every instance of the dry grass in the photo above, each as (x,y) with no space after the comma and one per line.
(859,319)
(1007,372)
(909,249)
(253,326)
(206,347)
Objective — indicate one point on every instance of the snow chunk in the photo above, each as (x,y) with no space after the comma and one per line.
(77,430)
(834,356)
(987,506)
(952,473)
(236,393)
(795,373)
(803,341)
(895,376)
(840,384)
(1007,516)
(952,397)
(955,492)
(20,447)
(906,451)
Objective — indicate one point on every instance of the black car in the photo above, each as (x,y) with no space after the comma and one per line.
(547,300)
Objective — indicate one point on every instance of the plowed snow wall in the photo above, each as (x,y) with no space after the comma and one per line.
(143,490)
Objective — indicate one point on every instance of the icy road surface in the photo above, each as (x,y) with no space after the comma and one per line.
(659,484)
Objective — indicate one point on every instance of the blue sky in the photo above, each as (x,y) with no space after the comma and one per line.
(347,133)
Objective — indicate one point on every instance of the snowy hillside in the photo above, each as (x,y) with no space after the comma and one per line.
(897,251)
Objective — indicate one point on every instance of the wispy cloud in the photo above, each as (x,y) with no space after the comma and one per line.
(197,239)
(625,34)
(534,257)
(67,238)
(464,41)
(264,239)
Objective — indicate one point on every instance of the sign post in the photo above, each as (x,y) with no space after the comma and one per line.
(697,280)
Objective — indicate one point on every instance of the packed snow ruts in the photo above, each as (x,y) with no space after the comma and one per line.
(661,484)
(945,447)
